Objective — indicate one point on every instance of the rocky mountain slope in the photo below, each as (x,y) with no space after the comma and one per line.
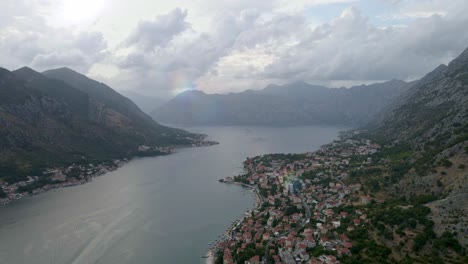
(291,104)
(426,138)
(45,122)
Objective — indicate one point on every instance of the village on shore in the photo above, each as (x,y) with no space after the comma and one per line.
(299,216)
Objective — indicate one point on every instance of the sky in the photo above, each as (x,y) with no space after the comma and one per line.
(161,48)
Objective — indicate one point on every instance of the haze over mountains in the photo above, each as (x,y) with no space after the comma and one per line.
(146,103)
(61,116)
(291,104)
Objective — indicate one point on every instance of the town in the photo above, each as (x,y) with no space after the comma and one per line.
(299,216)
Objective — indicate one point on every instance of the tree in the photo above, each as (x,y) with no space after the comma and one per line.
(446,163)
(447,240)
(2,194)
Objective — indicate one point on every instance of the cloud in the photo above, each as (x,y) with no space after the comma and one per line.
(351,48)
(221,46)
(187,56)
(71,58)
(158,33)
(27,39)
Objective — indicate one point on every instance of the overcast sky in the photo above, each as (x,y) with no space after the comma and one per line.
(161,47)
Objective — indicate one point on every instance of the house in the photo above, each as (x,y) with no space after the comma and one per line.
(336,224)
(344,238)
(289,242)
(357,221)
(227,258)
(324,242)
(310,242)
(304,256)
(366,200)
(247,237)
(253,260)
(344,251)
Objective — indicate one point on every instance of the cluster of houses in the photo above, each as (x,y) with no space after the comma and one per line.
(298,217)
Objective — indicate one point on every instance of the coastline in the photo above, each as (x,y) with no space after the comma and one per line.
(213,250)
(68,183)
(210,257)
(61,176)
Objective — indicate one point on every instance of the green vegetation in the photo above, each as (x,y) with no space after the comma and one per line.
(12,173)
(291,210)
(249,252)
(365,249)
(371,178)
(446,241)
(396,153)
(446,163)
(2,194)
(319,250)
(36,185)
(220,258)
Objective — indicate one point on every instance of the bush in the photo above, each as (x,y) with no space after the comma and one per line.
(419,242)
(447,240)
(446,163)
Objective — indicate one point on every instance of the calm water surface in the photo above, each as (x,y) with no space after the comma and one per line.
(152,210)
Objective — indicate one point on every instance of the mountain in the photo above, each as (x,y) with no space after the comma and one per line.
(436,107)
(425,139)
(62,117)
(291,104)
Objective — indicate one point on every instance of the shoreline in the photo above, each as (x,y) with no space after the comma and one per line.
(100,169)
(68,183)
(213,250)
(210,257)
(259,181)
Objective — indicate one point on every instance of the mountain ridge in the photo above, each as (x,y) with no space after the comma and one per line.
(289,104)
(47,122)
(426,138)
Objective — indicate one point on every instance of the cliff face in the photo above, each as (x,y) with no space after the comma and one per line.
(46,122)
